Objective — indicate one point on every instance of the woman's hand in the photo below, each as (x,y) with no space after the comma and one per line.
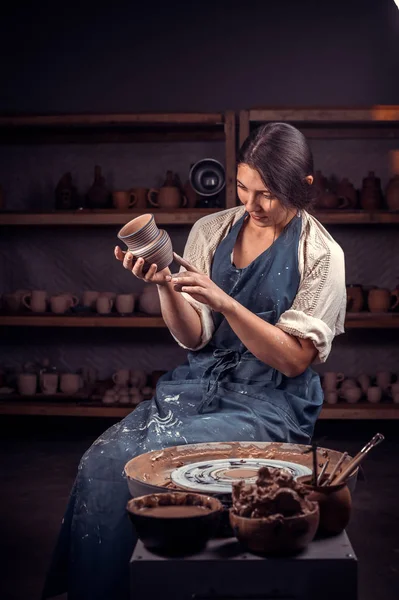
(136,267)
(201,288)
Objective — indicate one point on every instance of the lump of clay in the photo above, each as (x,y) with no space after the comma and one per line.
(275,494)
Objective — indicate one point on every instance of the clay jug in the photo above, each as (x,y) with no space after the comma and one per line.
(346,190)
(370,194)
(392,193)
(335,505)
(98,195)
(355,298)
(66,194)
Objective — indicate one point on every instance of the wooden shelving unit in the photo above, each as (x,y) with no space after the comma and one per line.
(353,321)
(341,411)
(328,123)
(96,218)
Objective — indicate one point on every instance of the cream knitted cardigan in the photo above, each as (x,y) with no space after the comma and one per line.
(318,309)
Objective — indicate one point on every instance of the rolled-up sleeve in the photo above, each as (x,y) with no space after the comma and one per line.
(318,310)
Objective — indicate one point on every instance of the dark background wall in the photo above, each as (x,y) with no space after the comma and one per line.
(138,56)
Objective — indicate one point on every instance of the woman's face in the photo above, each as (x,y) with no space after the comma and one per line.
(264,210)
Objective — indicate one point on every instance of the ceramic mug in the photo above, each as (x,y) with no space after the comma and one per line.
(383,379)
(90,298)
(374,394)
(138,378)
(104,305)
(331,380)
(70,383)
(331,397)
(121,377)
(140,196)
(123,200)
(124,303)
(364,382)
(36,301)
(49,383)
(381,300)
(13,301)
(60,303)
(27,383)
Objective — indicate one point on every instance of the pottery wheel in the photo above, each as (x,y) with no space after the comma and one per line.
(152,471)
(217,476)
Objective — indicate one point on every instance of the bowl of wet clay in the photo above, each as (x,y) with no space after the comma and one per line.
(175,523)
(274,516)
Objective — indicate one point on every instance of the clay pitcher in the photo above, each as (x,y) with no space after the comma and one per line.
(370,194)
(346,190)
(355,298)
(98,195)
(335,505)
(392,193)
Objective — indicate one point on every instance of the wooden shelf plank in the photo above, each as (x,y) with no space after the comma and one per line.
(367,320)
(49,320)
(113,119)
(373,114)
(104,217)
(342,411)
(361,411)
(353,321)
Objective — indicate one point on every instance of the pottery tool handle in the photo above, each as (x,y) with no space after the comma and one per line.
(323,470)
(335,469)
(377,439)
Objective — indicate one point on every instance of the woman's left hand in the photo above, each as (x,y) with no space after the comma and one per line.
(201,288)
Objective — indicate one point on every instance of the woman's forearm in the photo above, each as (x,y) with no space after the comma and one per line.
(267,342)
(181,318)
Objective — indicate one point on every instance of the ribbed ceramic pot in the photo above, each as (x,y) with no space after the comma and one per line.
(139,233)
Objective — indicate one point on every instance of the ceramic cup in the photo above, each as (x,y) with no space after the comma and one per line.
(49,383)
(27,383)
(331,380)
(374,394)
(383,379)
(140,196)
(331,397)
(12,302)
(70,383)
(60,303)
(123,200)
(138,378)
(104,305)
(36,301)
(121,377)
(364,382)
(90,298)
(124,303)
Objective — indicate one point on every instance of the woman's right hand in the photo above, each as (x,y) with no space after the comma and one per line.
(136,267)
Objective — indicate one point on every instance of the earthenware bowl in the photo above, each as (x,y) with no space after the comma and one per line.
(267,536)
(177,535)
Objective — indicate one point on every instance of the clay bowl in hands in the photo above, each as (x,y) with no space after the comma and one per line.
(276,536)
(145,240)
(175,523)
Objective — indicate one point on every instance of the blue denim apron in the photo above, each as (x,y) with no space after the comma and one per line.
(222,393)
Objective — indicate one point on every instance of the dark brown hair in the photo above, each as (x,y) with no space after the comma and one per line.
(282,156)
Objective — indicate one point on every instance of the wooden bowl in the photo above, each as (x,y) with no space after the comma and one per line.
(175,535)
(267,536)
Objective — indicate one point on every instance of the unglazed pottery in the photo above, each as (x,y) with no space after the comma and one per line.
(123,200)
(370,194)
(355,298)
(331,380)
(346,190)
(335,505)
(183,531)
(124,303)
(140,197)
(169,196)
(271,537)
(26,384)
(382,300)
(36,301)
